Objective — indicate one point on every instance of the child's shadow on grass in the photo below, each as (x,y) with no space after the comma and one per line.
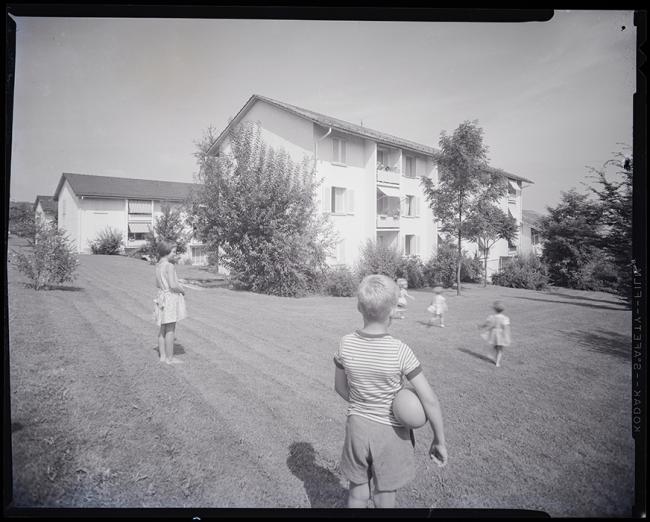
(477,355)
(178,349)
(322,486)
(428,324)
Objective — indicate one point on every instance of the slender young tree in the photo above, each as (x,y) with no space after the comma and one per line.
(487,225)
(465,181)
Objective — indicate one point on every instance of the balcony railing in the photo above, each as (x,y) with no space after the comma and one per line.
(388,175)
(385,221)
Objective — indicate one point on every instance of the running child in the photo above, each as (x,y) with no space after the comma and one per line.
(401,301)
(496,331)
(378,452)
(438,307)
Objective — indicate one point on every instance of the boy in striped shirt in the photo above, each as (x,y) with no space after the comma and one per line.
(370,364)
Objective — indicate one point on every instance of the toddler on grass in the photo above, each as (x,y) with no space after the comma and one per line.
(438,307)
(401,300)
(496,331)
(370,365)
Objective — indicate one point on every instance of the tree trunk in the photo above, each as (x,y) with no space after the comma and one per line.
(460,259)
(485,258)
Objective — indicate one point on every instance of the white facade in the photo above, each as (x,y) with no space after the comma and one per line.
(83,218)
(363,201)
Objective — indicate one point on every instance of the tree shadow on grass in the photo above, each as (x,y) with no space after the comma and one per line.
(321,485)
(65,288)
(612,301)
(555,301)
(602,341)
(477,355)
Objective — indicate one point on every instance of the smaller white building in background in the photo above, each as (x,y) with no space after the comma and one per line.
(89,204)
(531,239)
(45,208)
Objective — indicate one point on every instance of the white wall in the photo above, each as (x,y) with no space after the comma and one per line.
(69,214)
(96,215)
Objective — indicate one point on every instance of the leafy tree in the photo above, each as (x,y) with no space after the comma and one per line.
(21,219)
(465,181)
(615,198)
(486,225)
(50,259)
(259,206)
(170,226)
(572,236)
(376,258)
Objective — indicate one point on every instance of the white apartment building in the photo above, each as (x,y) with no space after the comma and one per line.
(88,204)
(371,180)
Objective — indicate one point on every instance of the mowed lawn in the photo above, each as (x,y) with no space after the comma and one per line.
(251,418)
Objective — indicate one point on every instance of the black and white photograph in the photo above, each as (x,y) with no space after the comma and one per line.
(317,264)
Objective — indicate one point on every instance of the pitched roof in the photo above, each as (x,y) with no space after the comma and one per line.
(531,217)
(47,203)
(112,187)
(343,126)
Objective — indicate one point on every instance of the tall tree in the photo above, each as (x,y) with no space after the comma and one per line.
(572,237)
(487,225)
(259,206)
(465,181)
(615,202)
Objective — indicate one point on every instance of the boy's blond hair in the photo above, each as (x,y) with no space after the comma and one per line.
(377,295)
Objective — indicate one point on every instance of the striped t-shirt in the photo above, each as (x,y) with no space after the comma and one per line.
(374,365)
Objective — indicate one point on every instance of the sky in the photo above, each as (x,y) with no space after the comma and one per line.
(131,97)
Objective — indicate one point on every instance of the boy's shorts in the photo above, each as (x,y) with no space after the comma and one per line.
(377,451)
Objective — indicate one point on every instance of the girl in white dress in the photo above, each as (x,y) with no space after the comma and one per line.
(438,307)
(496,331)
(169,302)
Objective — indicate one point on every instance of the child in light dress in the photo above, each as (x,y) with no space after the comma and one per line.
(496,331)
(438,307)
(169,304)
(402,284)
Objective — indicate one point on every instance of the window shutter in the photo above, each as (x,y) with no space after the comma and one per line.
(402,204)
(349,201)
(335,149)
(326,201)
(417,206)
(417,246)
(343,151)
(404,244)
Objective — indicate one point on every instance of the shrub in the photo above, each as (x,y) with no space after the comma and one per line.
(471,271)
(283,264)
(51,260)
(599,274)
(340,282)
(378,259)
(411,268)
(108,241)
(441,268)
(522,272)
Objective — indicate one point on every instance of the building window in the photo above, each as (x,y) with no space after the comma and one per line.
(534,236)
(338,150)
(381,157)
(138,231)
(410,167)
(411,206)
(341,200)
(410,245)
(140,219)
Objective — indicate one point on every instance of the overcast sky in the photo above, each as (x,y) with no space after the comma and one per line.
(129,97)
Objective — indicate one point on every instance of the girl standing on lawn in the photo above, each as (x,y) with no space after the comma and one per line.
(169,303)
(496,331)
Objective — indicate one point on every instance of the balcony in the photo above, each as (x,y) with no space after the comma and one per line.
(388,174)
(388,221)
